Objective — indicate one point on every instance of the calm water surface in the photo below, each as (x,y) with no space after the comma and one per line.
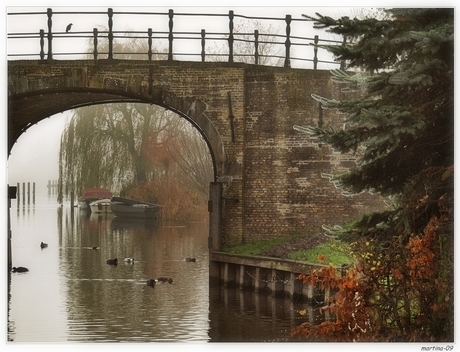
(70,294)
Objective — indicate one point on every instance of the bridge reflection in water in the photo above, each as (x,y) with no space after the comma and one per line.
(70,294)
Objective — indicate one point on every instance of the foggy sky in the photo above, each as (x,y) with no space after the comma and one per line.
(34,157)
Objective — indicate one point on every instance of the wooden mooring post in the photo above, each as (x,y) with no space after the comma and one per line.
(52,186)
(24,192)
(12,193)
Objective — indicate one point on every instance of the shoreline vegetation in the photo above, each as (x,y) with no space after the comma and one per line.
(313,248)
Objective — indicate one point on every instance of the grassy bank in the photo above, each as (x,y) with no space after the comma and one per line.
(298,247)
(333,252)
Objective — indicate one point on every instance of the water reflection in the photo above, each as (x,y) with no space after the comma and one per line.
(71,294)
(242,316)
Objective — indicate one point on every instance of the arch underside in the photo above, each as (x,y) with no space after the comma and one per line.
(25,110)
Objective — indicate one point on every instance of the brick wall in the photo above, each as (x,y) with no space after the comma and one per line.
(283,191)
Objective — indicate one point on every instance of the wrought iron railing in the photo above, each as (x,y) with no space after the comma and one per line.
(256,39)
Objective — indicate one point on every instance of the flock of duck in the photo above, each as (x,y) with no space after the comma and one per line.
(114,261)
(150,282)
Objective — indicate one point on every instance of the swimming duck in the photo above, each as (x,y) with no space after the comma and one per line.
(43,245)
(165,279)
(129,260)
(188,259)
(151,282)
(112,261)
(19,269)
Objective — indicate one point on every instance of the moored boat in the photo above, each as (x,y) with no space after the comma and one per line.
(124,207)
(92,194)
(100,206)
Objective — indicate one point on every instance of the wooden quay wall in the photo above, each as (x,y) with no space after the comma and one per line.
(265,275)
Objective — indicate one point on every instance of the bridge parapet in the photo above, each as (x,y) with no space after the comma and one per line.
(164,42)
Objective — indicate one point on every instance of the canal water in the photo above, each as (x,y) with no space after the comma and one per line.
(71,294)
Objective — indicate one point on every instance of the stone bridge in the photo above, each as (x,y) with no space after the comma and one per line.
(268,180)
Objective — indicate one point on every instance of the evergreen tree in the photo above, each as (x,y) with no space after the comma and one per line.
(402,129)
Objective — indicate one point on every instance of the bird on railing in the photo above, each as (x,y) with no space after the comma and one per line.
(69,26)
(43,245)
(19,269)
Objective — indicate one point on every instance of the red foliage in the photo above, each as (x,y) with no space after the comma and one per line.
(395,293)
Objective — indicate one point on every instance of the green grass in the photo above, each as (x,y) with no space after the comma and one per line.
(336,252)
(256,248)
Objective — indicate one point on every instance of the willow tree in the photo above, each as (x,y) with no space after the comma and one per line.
(108,145)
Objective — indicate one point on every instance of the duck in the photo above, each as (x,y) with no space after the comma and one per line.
(188,259)
(151,282)
(112,261)
(19,269)
(165,279)
(43,245)
(129,260)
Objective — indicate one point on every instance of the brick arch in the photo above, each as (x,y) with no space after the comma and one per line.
(34,107)
(268,176)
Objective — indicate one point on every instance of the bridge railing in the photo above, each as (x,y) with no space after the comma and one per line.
(294,48)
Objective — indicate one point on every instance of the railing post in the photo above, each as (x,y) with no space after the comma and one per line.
(287,60)
(110,14)
(315,50)
(149,33)
(49,13)
(230,37)
(170,36)
(42,44)
(95,33)
(256,47)
(149,53)
(203,42)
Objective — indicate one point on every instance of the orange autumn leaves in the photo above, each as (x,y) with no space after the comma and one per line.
(393,292)
(321,258)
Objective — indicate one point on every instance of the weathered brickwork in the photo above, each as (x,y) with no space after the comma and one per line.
(271,174)
(284,192)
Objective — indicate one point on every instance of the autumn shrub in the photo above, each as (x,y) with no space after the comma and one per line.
(397,290)
(179,202)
